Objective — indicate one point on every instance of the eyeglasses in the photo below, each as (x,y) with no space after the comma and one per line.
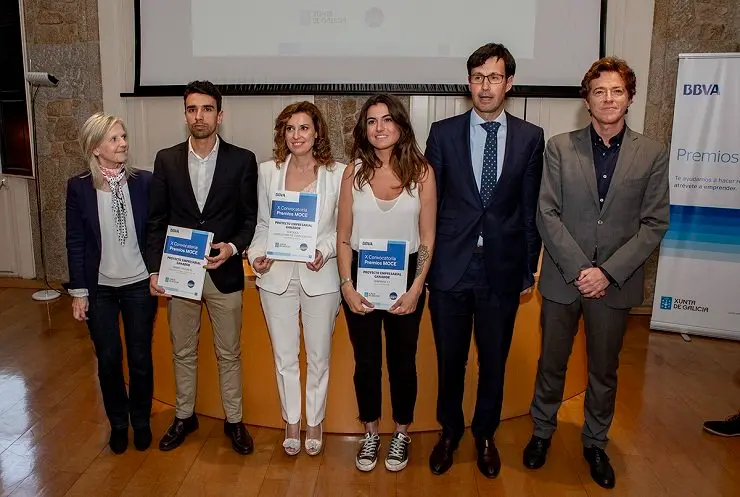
(493,78)
(603,93)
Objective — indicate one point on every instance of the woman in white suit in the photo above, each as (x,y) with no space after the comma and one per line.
(302,162)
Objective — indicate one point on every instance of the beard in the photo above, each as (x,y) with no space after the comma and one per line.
(201,132)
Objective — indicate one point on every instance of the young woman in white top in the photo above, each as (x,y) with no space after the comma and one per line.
(388,193)
(303,163)
(106,236)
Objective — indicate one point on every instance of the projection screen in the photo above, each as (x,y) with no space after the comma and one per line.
(412,45)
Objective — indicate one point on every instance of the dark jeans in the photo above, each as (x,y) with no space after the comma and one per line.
(138,308)
(401,336)
(471,307)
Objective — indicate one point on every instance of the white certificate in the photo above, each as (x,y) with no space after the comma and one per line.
(382,271)
(182,270)
(293,228)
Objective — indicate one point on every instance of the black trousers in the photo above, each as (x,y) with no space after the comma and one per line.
(471,307)
(401,337)
(137,308)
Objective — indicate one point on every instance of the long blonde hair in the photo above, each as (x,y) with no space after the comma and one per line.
(92,134)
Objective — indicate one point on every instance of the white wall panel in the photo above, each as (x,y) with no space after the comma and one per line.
(155,123)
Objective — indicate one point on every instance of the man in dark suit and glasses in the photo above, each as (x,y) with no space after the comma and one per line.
(207,184)
(488,165)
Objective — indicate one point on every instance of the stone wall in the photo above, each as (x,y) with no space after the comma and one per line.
(341,113)
(682,26)
(62,39)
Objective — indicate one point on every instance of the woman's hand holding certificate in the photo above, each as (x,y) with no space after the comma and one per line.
(357,303)
(406,304)
(317,263)
(262,264)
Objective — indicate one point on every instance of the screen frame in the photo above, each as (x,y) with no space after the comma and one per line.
(521,91)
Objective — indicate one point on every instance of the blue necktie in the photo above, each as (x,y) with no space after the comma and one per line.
(490,161)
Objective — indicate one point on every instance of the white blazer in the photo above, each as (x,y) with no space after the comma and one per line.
(276,280)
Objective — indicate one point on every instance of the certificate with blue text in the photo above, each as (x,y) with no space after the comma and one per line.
(293,228)
(182,271)
(382,271)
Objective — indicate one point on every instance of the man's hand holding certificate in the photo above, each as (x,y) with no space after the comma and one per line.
(293,226)
(183,270)
(382,271)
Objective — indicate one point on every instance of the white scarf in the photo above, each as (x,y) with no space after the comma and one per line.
(118,201)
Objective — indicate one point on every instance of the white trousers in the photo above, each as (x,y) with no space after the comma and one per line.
(318,315)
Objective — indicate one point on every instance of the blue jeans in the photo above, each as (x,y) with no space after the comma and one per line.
(137,308)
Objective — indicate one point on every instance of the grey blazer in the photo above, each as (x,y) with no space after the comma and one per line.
(623,233)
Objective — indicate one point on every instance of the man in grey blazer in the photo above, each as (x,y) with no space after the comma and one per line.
(603,209)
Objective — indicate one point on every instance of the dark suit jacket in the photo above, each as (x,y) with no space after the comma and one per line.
(511,243)
(83,226)
(622,233)
(230,211)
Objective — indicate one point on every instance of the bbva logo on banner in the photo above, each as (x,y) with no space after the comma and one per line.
(701,89)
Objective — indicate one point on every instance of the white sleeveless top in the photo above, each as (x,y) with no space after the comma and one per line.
(396,219)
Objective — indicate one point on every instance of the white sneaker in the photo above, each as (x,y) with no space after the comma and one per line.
(398,452)
(367,456)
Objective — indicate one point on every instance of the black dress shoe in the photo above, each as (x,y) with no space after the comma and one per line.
(441,458)
(118,440)
(241,440)
(601,471)
(142,438)
(177,432)
(489,462)
(535,453)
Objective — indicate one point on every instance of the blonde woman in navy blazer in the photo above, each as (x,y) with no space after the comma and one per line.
(106,236)
(303,162)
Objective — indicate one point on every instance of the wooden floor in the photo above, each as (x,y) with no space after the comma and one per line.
(53,431)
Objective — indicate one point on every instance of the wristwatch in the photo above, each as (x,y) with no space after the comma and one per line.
(342,281)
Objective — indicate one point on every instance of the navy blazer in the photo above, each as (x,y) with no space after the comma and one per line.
(83,226)
(511,243)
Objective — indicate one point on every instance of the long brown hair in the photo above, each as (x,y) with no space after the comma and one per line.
(321,146)
(407,161)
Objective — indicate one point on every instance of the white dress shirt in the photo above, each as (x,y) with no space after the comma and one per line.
(201,171)
(478,137)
